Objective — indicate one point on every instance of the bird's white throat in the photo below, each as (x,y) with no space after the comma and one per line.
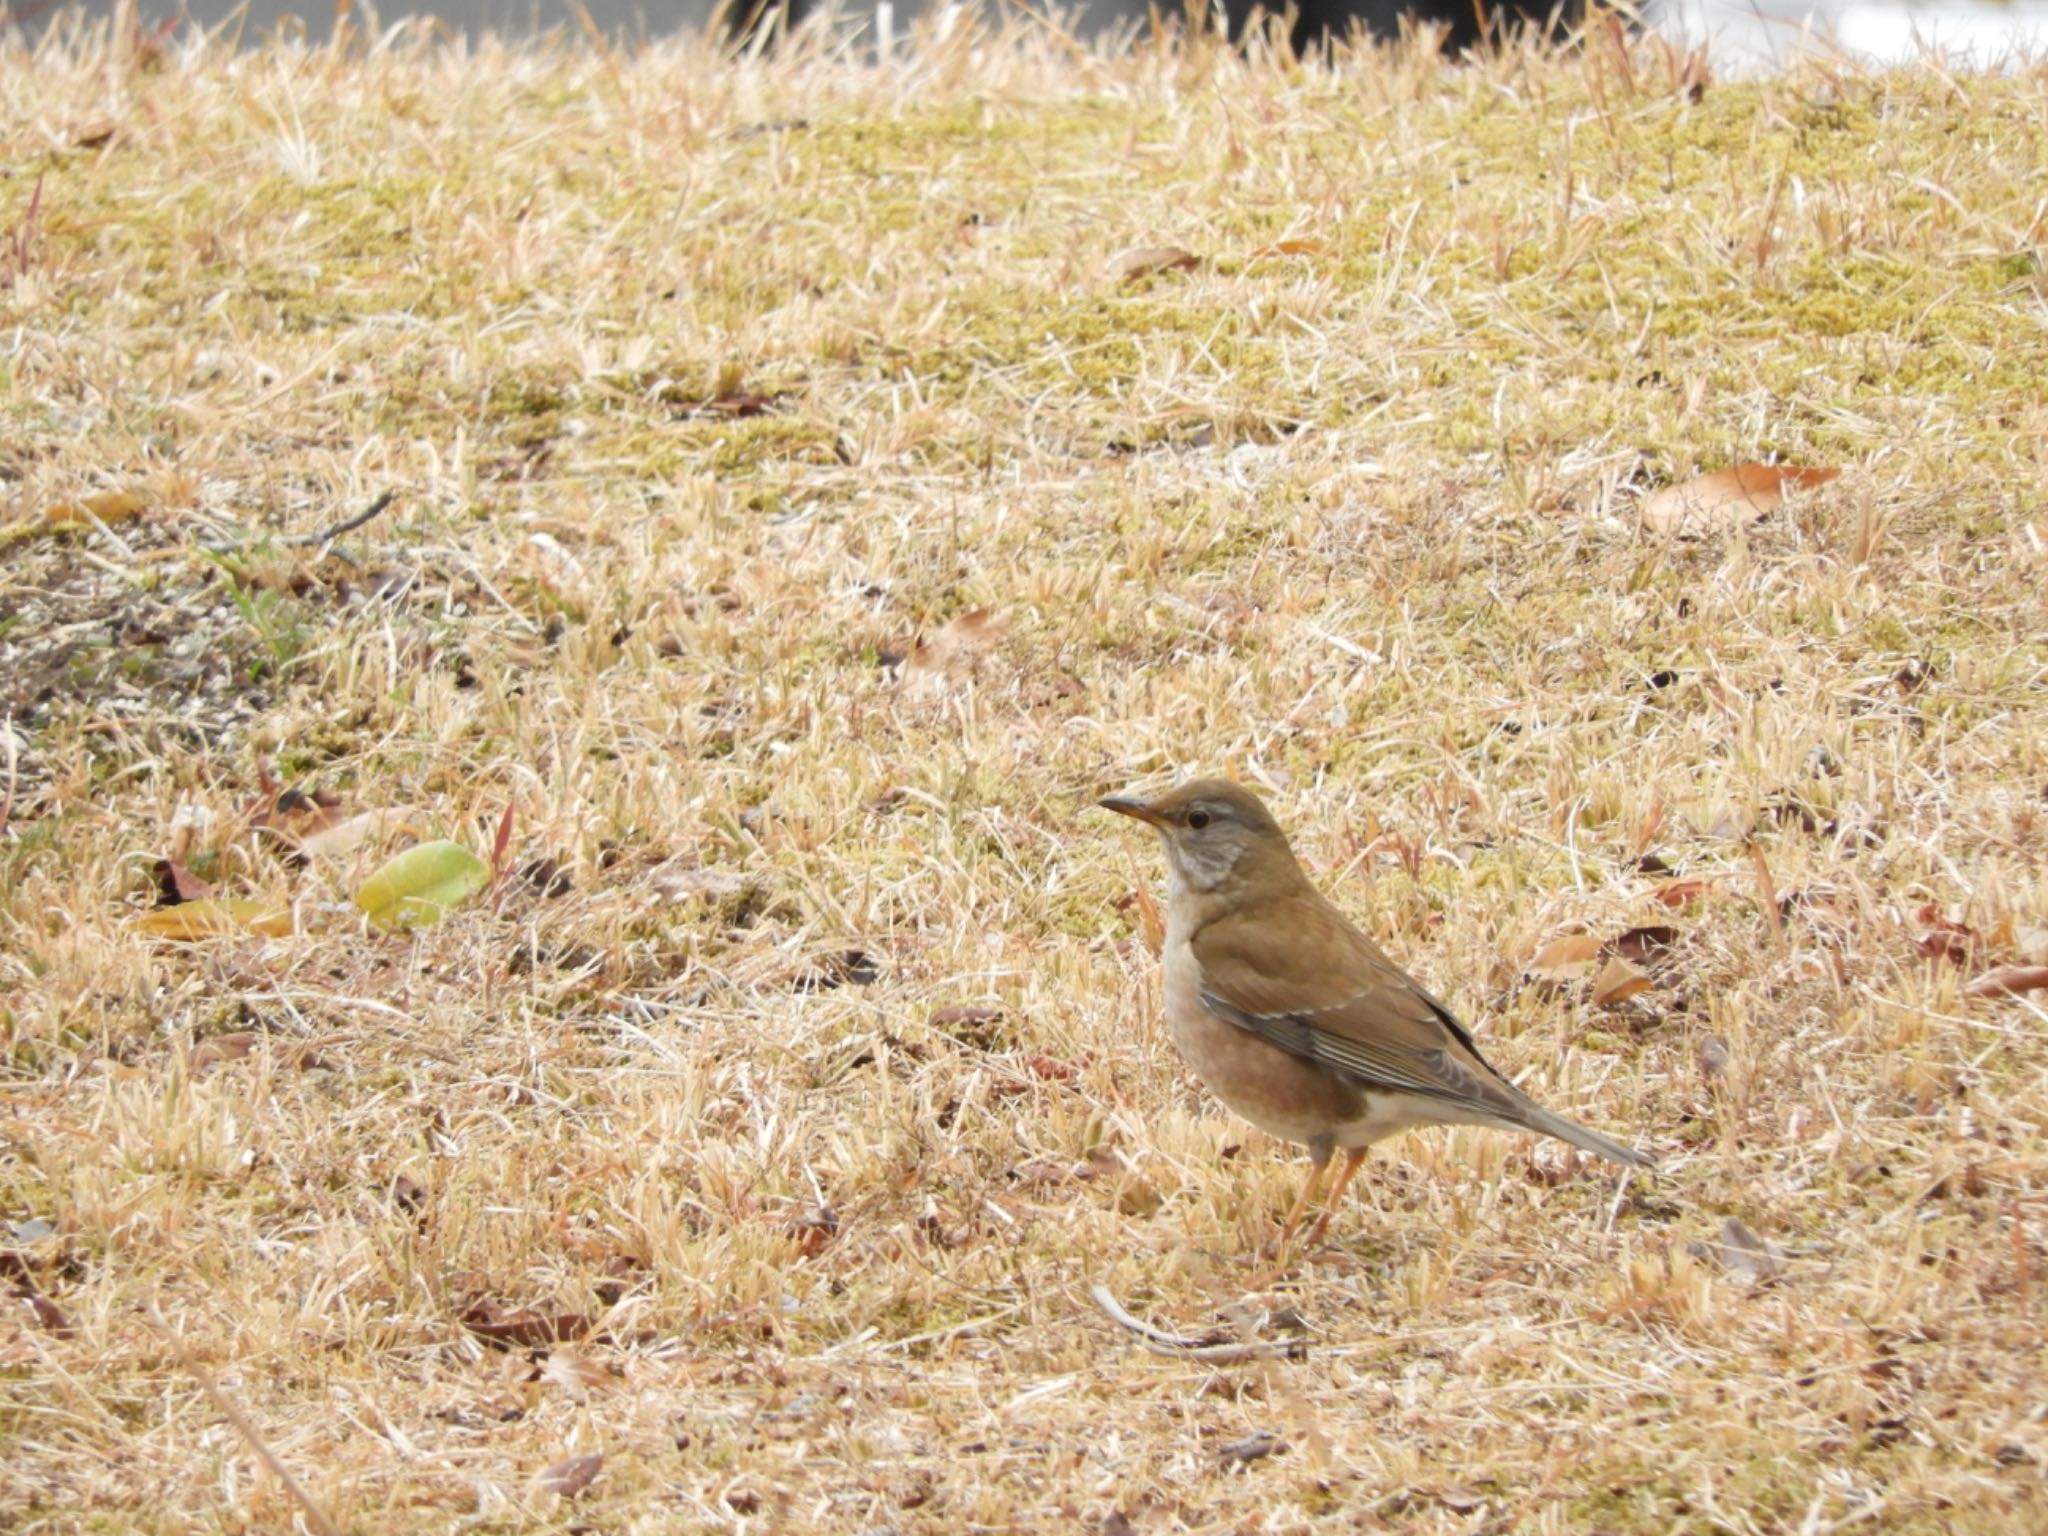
(1200,864)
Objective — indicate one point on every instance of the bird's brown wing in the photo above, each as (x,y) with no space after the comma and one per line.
(1304,979)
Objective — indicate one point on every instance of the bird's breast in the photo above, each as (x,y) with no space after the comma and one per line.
(1280,1093)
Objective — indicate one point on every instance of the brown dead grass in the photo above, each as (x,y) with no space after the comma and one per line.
(813,1106)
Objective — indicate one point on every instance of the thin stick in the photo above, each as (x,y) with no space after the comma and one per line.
(7,795)
(349,524)
(315,1515)
(1160,1342)
(1767,890)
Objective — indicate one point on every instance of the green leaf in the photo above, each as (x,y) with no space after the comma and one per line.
(421,884)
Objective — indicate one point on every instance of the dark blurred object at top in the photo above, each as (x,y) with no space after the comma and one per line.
(1315,21)
(1468,20)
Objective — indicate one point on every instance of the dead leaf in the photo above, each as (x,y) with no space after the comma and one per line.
(1943,938)
(1649,945)
(972,1018)
(219,1048)
(332,839)
(49,1315)
(951,652)
(849,965)
(176,883)
(548,877)
(569,1476)
(1565,959)
(1149,259)
(1727,497)
(102,507)
(1292,248)
(289,816)
(1747,1258)
(741,405)
(1055,1069)
(21,1269)
(680,885)
(1047,1069)
(215,917)
(574,1371)
(522,1327)
(1151,925)
(814,1230)
(1679,893)
(1252,1448)
(2009,981)
(1617,982)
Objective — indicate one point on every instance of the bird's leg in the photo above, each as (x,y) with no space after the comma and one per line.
(1318,1161)
(1353,1159)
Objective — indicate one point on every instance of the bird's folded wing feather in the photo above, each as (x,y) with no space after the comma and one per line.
(1307,981)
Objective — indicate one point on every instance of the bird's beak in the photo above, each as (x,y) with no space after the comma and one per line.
(1136,809)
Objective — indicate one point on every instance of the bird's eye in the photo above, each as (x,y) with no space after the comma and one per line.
(1198,819)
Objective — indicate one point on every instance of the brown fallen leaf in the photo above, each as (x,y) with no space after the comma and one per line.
(1679,893)
(176,883)
(1304,247)
(1047,1069)
(1649,945)
(1252,1448)
(1566,959)
(1943,938)
(830,972)
(2009,981)
(1149,259)
(1727,497)
(103,507)
(950,654)
(1747,1258)
(569,1476)
(49,1316)
(965,1019)
(1617,982)
(336,839)
(575,1372)
(1151,924)
(814,1229)
(17,1266)
(522,1327)
(218,1048)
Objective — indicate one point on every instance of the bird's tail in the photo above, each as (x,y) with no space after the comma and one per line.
(1539,1119)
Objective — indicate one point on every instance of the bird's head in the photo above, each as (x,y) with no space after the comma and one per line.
(1216,832)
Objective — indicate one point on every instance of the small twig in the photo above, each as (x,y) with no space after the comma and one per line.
(1767,890)
(348,524)
(1179,1347)
(315,1515)
(7,744)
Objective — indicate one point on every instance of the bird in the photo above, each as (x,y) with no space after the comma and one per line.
(1294,1018)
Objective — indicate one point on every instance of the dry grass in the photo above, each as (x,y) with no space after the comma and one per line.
(822,1095)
